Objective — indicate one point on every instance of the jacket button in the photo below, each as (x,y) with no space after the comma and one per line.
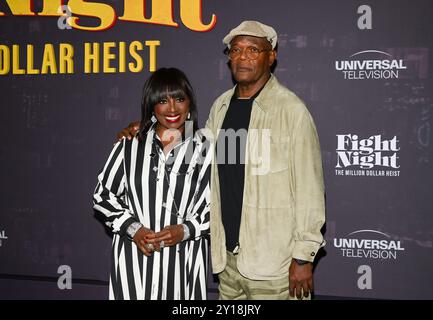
(313,254)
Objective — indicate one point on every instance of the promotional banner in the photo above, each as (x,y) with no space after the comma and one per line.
(71,78)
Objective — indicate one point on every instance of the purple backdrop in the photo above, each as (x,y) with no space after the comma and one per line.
(369,91)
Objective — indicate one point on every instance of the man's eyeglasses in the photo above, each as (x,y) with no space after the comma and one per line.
(252,53)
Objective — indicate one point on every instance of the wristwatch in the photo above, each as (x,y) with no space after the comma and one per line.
(301,262)
(132,229)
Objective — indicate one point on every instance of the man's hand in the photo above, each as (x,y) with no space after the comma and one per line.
(130,131)
(171,235)
(300,279)
(141,239)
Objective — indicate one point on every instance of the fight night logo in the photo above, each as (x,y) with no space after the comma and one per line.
(367,157)
(370,64)
(161,13)
(368,244)
(135,55)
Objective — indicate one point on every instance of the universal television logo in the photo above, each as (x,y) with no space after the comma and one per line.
(384,67)
(367,247)
(2,237)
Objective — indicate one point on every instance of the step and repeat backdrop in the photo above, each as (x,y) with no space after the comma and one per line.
(71,74)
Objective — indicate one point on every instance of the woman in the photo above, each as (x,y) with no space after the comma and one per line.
(154,195)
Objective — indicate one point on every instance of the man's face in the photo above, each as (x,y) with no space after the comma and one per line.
(247,71)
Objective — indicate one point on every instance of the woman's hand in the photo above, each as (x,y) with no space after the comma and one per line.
(167,237)
(141,239)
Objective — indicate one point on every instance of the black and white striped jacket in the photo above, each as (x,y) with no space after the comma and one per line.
(140,183)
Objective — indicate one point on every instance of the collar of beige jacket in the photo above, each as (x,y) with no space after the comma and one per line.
(262,98)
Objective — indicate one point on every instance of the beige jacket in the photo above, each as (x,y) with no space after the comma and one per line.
(283,206)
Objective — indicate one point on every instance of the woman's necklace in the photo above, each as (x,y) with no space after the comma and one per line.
(157,167)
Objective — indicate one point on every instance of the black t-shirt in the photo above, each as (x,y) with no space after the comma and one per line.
(231,165)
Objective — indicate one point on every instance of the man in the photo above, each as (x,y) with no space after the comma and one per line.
(265,224)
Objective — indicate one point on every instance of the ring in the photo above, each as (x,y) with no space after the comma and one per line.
(149,246)
(162,244)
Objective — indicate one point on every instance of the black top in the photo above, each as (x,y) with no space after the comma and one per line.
(231,165)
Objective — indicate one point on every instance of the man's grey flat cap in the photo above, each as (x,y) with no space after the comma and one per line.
(252,28)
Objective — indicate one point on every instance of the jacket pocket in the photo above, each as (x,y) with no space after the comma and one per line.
(271,190)
(279,153)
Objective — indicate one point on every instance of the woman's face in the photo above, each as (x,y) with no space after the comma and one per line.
(172,113)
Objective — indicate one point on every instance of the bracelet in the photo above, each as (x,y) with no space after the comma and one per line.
(186,234)
(132,229)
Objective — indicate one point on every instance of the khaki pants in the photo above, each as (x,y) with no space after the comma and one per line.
(234,286)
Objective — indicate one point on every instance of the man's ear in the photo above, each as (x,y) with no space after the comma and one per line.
(272,57)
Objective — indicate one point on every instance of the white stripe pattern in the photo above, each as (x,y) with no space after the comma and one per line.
(129,189)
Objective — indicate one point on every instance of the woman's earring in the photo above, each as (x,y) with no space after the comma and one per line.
(189,116)
(153,119)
